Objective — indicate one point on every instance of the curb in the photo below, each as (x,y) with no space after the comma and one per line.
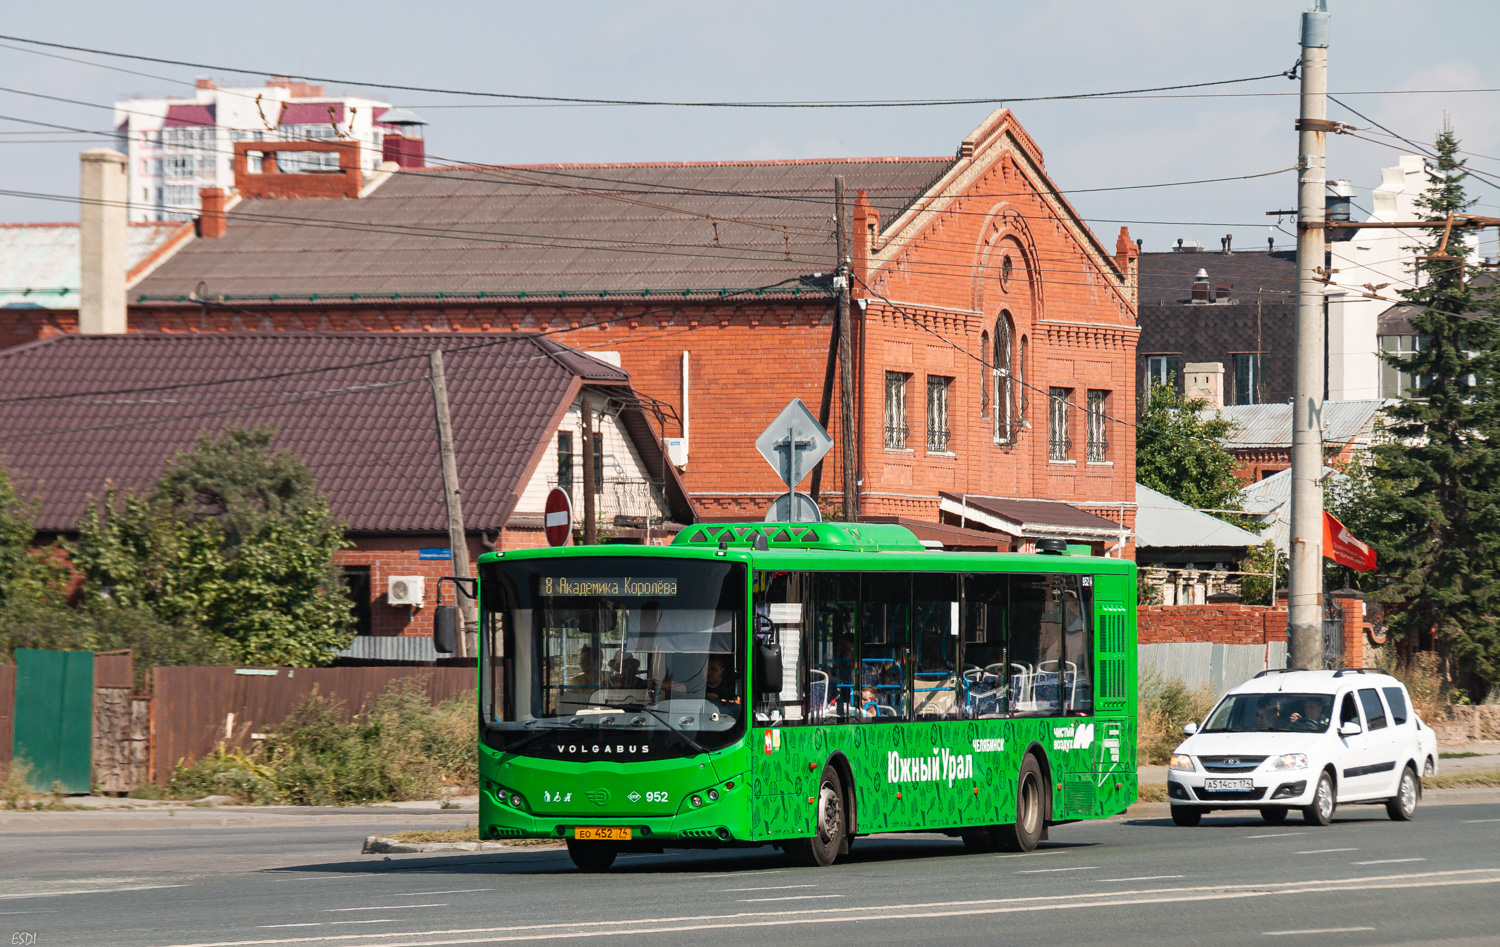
(380,845)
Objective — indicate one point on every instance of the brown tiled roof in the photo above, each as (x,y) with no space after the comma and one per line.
(1166,279)
(1037,517)
(544,230)
(84,411)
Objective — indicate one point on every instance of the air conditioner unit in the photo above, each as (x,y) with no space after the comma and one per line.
(405,590)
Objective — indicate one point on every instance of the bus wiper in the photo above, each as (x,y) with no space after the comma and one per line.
(668,724)
(531,738)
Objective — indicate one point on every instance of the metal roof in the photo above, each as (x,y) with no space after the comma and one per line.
(1270,500)
(39,262)
(1035,518)
(85,412)
(545,230)
(1161,521)
(1270,425)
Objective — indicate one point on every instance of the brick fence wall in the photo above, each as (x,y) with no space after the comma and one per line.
(1218,623)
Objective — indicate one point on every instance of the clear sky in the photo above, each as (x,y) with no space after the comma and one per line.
(775,50)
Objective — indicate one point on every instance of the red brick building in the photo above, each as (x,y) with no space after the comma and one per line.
(994,333)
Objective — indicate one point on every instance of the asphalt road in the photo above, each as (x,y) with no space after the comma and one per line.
(1132,880)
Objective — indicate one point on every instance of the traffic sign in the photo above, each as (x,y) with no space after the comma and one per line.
(793,444)
(781,509)
(558,521)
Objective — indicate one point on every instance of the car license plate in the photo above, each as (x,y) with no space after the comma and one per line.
(1228,785)
(604,834)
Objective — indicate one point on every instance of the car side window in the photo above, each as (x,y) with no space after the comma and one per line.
(1347,711)
(1396,699)
(1369,697)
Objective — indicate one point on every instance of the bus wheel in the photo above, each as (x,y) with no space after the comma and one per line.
(592,856)
(822,848)
(1023,835)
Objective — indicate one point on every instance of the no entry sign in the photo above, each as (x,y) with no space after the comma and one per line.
(558,524)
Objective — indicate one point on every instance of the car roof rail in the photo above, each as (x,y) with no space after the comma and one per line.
(1342,671)
(1278,671)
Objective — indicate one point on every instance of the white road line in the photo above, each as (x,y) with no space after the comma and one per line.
(1045,871)
(390,907)
(1056,851)
(378,920)
(1139,878)
(58,894)
(1389,861)
(793,897)
(1477,821)
(1325,851)
(268,927)
(1321,930)
(8,913)
(429,894)
(1277,835)
(766,888)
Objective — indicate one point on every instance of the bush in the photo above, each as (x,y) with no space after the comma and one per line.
(16,791)
(1423,679)
(401,748)
(1167,704)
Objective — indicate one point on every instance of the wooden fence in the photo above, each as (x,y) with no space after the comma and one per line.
(7,711)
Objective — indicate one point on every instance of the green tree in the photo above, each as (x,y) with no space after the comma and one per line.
(1442,564)
(234,539)
(1181,453)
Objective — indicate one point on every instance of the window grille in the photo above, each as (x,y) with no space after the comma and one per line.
(1004,382)
(937,413)
(1098,445)
(895,411)
(1060,446)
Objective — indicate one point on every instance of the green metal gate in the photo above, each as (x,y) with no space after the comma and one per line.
(54,717)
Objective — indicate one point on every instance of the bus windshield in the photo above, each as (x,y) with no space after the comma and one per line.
(614,652)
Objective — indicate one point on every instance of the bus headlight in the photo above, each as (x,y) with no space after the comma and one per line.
(1182,763)
(697,801)
(713,795)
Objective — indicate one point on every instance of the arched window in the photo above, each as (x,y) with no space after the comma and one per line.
(1005,383)
(984,369)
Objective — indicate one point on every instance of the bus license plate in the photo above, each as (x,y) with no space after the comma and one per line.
(603,834)
(1228,785)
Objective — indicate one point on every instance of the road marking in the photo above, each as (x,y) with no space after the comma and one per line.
(1325,851)
(267,927)
(428,894)
(1389,861)
(1044,871)
(378,920)
(391,907)
(767,888)
(1277,835)
(58,894)
(785,917)
(8,913)
(1477,821)
(1139,878)
(790,897)
(1321,930)
(1058,851)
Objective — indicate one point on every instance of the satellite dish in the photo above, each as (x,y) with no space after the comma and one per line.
(806,509)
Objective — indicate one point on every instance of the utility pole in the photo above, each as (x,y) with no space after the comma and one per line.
(590,527)
(842,277)
(1305,585)
(457,541)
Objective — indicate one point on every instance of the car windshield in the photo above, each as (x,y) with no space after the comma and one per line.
(1303,713)
(608,647)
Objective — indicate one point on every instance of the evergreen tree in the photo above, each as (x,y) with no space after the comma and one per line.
(1442,562)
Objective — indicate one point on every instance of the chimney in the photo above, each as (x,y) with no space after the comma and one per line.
(406,152)
(1227,244)
(205,84)
(1202,289)
(1223,292)
(101,242)
(211,221)
(1204,380)
(1127,257)
(865,229)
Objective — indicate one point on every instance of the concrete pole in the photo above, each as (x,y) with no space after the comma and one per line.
(101,242)
(458,542)
(846,360)
(1305,585)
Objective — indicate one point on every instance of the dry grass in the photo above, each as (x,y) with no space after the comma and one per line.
(1152,792)
(1423,680)
(1475,780)
(1165,706)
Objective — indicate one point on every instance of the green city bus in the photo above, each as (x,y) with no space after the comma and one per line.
(800,684)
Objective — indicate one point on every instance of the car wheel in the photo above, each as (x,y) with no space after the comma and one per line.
(820,850)
(1031,809)
(1186,815)
(1402,806)
(592,856)
(1274,815)
(1321,810)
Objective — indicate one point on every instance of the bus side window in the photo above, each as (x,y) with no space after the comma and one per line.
(982,682)
(884,646)
(831,656)
(1036,645)
(934,623)
(1078,645)
(780,599)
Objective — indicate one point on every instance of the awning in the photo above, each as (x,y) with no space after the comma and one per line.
(1031,519)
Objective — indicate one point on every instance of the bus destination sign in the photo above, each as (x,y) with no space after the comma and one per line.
(612,587)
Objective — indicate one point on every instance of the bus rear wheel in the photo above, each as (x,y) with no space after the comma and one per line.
(827,842)
(1031,809)
(592,856)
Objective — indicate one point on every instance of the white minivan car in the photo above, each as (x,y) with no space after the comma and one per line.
(1305,740)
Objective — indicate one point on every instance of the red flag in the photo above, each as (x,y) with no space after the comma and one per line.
(1340,545)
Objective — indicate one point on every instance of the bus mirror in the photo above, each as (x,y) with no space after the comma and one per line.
(767,668)
(445,629)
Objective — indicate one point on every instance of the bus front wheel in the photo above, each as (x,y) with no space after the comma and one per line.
(1031,809)
(824,846)
(591,856)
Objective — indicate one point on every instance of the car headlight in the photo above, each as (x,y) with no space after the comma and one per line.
(1182,763)
(1290,761)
